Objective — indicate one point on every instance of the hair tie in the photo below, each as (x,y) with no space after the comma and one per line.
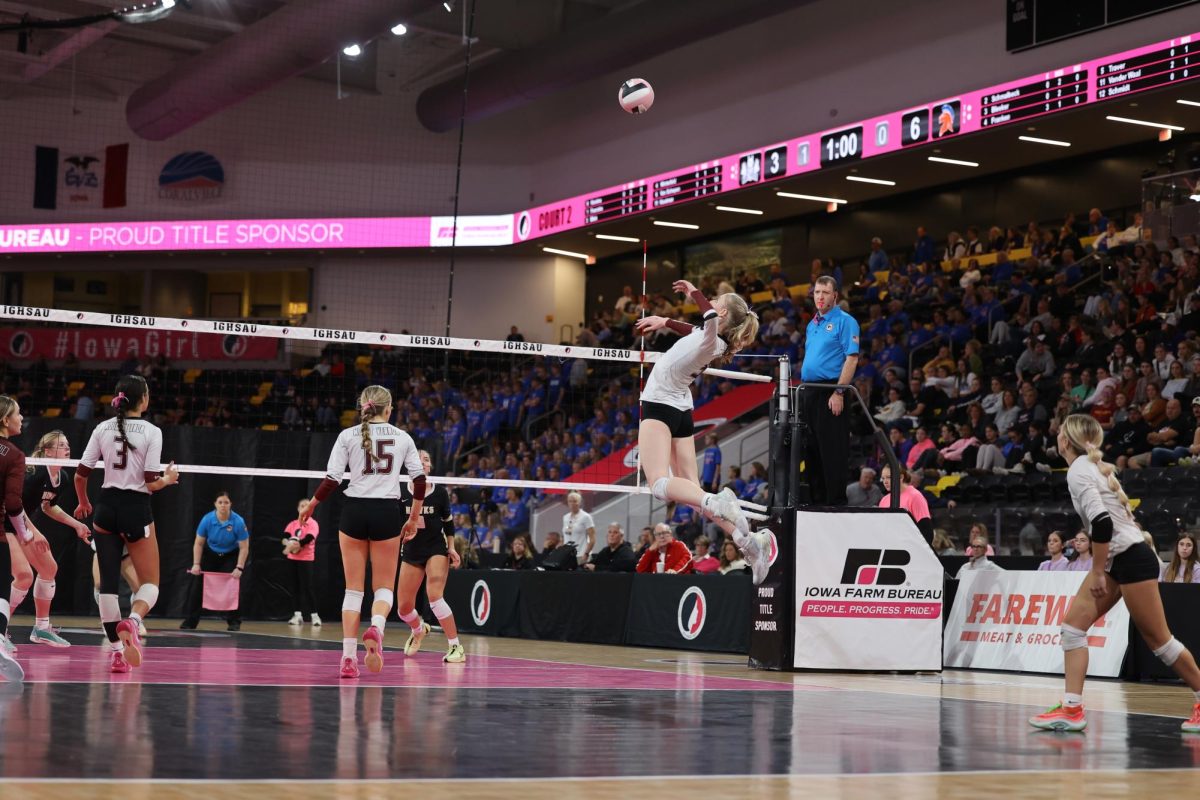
(367,406)
(116,401)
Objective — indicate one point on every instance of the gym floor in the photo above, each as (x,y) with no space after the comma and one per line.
(262,714)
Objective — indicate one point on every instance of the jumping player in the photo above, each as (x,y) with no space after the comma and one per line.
(42,485)
(131,448)
(665,435)
(371,523)
(429,556)
(12,475)
(1123,567)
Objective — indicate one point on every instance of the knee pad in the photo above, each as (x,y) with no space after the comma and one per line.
(385,596)
(1170,652)
(659,489)
(352,601)
(148,594)
(1073,638)
(441,609)
(110,608)
(43,589)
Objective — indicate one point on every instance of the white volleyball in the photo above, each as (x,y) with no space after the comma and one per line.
(636,96)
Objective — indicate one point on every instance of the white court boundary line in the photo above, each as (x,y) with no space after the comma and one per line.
(198,326)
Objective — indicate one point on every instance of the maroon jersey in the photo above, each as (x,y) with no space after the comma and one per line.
(12,472)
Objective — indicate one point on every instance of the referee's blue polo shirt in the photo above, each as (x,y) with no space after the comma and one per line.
(830,338)
(223,537)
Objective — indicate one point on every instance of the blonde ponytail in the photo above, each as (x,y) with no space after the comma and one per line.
(374,401)
(740,326)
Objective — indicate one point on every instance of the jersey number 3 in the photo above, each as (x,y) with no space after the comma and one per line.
(122,452)
(383,458)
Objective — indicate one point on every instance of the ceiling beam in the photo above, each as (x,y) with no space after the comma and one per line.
(76,42)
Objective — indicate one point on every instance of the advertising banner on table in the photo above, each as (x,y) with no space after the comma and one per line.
(118,344)
(868,592)
(1012,621)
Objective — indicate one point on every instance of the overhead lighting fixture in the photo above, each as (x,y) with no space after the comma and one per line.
(735,210)
(1195,198)
(955,161)
(815,198)
(136,14)
(1038,140)
(353,51)
(860,179)
(449,6)
(558,252)
(1145,123)
(687,225)
(399,29)
(614,238)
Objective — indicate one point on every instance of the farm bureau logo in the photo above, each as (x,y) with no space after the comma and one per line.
(693,610)
(875,567)
(481,602)
(194,175)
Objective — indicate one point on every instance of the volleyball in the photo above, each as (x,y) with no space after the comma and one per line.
(636,96)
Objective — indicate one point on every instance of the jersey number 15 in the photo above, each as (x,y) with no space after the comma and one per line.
(383,458)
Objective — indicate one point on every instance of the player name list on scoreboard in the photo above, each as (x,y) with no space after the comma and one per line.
(1034,98)
(1147,71)
(686,185)
(630,200)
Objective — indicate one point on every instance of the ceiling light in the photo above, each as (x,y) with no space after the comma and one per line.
(1144,123)
(614,238)
(399,29)
(558,252)
(815,198)
(860,179)
(956,161)
(353,51)
(687,225)
(736,210)
(145,12)
(1187,102)
(1037,140)
(449,6)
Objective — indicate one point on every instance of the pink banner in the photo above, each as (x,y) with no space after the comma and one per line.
(117,344)
(857,609)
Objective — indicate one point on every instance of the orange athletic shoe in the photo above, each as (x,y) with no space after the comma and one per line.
(1060,718)
(1193,725)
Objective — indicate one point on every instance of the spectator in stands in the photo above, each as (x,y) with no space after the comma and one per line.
(731,561)
(645,539)
(1174,431)
(514,335)
(1083,553)
(911,500)
(616,557)
(864,492)
(1036,363)
(222,544)
(520,553)
(626,303)
(1184,566)
(923,247)
(1166,453)
(1176,382)
(666,554)
(977,560)
(877,261)
(710,472)
(85,407)
(1058,561)
(553,541)
(467,553)
(703,562)
(579,530)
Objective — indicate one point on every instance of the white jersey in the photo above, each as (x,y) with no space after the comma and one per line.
(575,528)
(671,378)
(1091,497)
(393,449)
(126,466)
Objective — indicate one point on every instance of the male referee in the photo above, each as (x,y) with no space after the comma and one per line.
(830,356)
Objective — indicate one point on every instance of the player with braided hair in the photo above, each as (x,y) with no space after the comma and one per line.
(371,522)
(1123,567)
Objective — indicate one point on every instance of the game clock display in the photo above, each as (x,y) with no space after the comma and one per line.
(842,146)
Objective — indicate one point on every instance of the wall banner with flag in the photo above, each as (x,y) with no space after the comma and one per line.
(80,178)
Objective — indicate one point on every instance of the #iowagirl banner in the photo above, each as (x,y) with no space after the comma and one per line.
(118,344)
(1012,621)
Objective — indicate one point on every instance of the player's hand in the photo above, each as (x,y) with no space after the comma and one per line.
(684,287)
(650,324)
(83,532)
(455,559)
(836,404)
(171,474)
(39,544)
(84,509)
(307,513)
(1099,587)
(409,530)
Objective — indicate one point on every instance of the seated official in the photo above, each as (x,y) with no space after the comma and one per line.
(666,554)
(520,554)
(977,559)
(616,557)
(864,492)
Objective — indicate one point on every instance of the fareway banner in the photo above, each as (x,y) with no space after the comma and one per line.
(1012,621)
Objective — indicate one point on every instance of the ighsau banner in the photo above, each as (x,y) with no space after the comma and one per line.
(1012,620)
(868,592)
(118,344)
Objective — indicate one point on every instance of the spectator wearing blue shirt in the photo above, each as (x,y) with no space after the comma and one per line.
(514,514)
(1097,222)
(735,481)
(830,356)
(878,260)
(710,471)
(222,545)
(923,247)
(918,336)
(454,431)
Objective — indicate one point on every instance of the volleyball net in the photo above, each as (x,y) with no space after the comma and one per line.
(253,409)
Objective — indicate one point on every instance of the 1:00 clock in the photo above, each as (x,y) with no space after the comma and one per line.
(842,146)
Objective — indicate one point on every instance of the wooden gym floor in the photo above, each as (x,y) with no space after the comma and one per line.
(261,714)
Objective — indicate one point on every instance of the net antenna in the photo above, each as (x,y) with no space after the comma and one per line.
(637,473)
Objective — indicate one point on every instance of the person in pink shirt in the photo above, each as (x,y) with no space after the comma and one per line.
(703,561)
(1058,561)
(923,445)
(300,546)
(911,500)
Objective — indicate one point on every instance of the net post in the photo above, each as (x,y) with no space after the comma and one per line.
(780,439)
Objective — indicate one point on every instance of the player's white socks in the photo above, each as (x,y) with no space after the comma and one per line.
(1072,700)
(378,621)
(452,642)
(350,648)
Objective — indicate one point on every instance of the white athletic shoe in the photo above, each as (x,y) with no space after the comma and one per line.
(316,621)
(10,670)
(724,505)
(296,619)
(755,549)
